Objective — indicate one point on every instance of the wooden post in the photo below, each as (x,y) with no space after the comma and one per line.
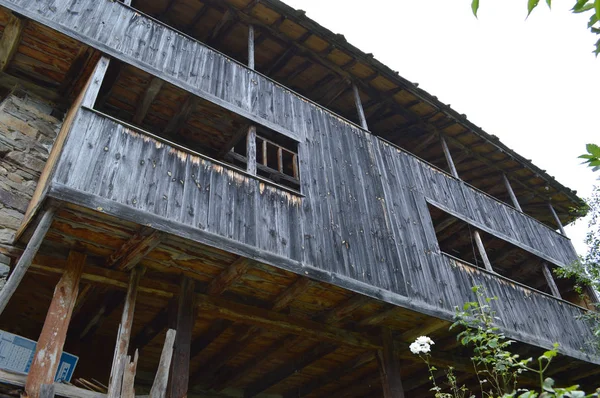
(359,108)
(92,90)
(448,156)
(560,226)
(389,367)
(47,391)
(251,46)
(54,332)
(184,325)
(251,150)
(550,280)
(482,252)
(159,386)
(511,193)
(26,258)
(114,384)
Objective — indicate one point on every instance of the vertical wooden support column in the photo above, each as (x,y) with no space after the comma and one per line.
(184,325)
(251,46)
(550,280)
(511,193)
(251,150)
(26,258)
(52,339)
(560,226)
(124,334)
(448,156)
(93,88)
(482,252)
(389,367)
(359,108)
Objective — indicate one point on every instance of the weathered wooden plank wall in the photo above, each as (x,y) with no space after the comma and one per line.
(364,215)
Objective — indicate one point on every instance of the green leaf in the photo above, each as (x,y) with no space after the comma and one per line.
(593,20)
(584,8)
(475,7)
(531,4)
(593,148)
(549,2)
(579,5)
(597,7)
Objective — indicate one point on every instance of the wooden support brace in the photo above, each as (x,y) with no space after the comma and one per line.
(511,193)
(448,156)
(389,367)
(558,222)
(54,332)
(26,258)
(550,280)
(359,108)
(482,252)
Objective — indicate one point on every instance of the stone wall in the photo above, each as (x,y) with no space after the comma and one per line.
(28,127)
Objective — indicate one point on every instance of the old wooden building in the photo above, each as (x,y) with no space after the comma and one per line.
(225,199)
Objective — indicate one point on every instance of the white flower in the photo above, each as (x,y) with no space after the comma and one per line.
(422,345)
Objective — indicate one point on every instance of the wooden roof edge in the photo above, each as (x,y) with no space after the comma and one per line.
(339,41)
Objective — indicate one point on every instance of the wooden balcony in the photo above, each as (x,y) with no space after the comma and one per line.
(373,238)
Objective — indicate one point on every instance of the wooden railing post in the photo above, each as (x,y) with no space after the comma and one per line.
(389,367)
(359,108)
(26,258)
(511,193)
(482,252)
(448,156)
(54,332)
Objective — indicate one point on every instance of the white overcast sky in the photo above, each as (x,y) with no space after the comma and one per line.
(533,83)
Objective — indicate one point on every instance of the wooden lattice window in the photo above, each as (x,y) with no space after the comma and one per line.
(271,155)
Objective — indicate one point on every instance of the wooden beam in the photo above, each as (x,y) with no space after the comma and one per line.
(184,325)
(179,119)
(288,369)
(54,332)
(122,346)
(251,150)
(511,193)
(135,249)
(228,276)
(558,222)
(233,141)
(550,280)
(280,303)
(281,61)
(359,108)
(331,376)
(26,258)
(251,46)
(389,367)
(225,19)
(77,67)
(11,37)
(301,68)
(482,252)
(448,156)
(149,95)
